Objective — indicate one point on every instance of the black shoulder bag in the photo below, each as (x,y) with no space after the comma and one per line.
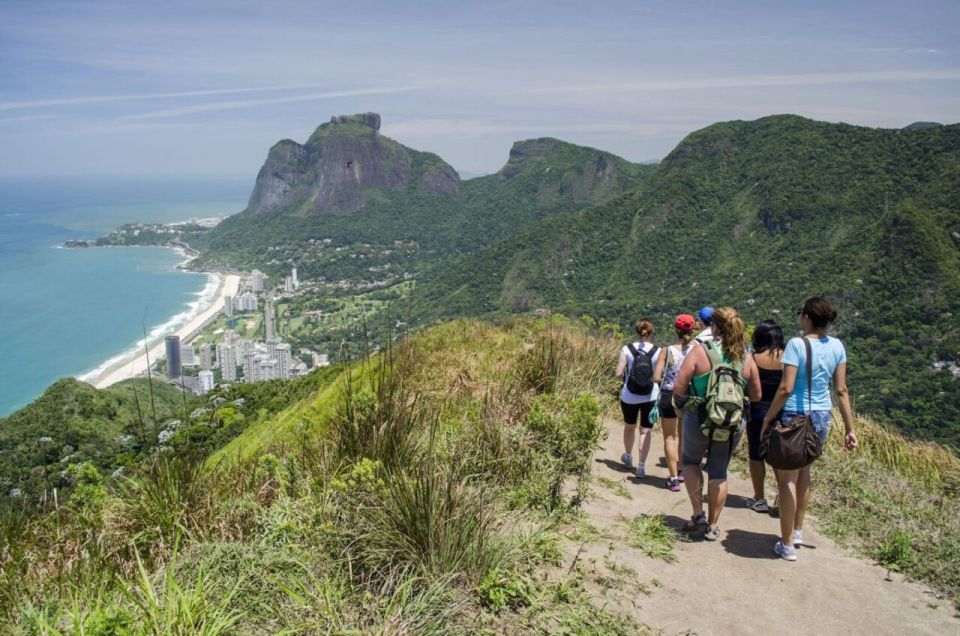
(794,444)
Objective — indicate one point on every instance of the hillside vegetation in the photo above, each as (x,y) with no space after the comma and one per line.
(435,492)
(389,205)
(761,215)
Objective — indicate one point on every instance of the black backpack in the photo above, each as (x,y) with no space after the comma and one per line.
(640,378)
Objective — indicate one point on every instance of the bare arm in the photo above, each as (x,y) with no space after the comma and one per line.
(783,392)
(754,392)
(622,365)
(846,412)
(661,363)
(687,371)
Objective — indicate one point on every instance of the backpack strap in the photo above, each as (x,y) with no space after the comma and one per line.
(652,352)
(633,350)
(713,354)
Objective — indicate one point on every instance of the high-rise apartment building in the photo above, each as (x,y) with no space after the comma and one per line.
(206,356)
(174,369)
(206,381)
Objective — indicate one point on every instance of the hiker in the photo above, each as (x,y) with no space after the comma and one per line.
(828,361)
(704,316)
(668,365)
(720,364)
(636,366)
(766,350)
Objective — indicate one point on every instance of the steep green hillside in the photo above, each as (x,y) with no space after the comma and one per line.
(73,423)
(760,215)
(434,489)
(351,187)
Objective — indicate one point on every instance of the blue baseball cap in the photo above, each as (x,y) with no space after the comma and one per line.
(705,314)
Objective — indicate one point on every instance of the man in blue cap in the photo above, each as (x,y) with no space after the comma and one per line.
(704,316)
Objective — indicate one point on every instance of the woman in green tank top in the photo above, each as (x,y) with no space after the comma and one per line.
(692,381)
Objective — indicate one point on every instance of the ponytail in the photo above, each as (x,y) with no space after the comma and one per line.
(644,327)
(728,327)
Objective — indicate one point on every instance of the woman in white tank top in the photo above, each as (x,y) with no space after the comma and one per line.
(666,372)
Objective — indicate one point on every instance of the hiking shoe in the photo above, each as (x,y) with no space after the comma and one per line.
(627,460)
(797,538)
(788,554)
(673,484)
(696,521)
(680,476)
(641,473)
(758,505)
(711,534)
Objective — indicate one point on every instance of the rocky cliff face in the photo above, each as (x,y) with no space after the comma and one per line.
(342,162)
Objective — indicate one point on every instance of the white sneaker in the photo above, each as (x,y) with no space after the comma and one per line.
(788,554)
(627,460)
(641,472)
(797,538)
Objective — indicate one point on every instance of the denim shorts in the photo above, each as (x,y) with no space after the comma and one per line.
(821,422)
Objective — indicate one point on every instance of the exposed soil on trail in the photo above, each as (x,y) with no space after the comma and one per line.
(737,585)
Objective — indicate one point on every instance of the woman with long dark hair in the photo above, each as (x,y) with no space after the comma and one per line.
(767,351)
(828,362)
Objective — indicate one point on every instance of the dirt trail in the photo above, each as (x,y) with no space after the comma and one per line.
(737,585)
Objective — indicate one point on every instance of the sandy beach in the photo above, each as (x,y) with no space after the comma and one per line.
(136,364)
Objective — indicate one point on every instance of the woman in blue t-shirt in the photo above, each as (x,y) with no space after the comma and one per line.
(829,361)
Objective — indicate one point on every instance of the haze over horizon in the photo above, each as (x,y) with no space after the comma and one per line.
(175,88)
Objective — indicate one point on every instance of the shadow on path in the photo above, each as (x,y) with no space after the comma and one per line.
(750,545)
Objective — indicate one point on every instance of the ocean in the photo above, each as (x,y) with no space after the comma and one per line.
(67,312)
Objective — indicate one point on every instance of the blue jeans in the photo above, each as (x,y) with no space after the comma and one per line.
(821,422)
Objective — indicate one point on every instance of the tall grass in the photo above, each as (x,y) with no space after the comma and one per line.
(398,514)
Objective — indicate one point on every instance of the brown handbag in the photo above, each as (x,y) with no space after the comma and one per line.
(794,444)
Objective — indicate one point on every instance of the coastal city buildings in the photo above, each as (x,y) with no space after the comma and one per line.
(228,306)
(173,357)
(257,281)
(187,356)
(247,302)
(206,357)
(206,381)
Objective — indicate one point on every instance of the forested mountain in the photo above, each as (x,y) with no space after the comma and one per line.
(349,186)
(759,215)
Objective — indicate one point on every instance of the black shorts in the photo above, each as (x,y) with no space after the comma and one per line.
(633,412)
(666,404)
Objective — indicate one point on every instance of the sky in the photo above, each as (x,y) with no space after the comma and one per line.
(204,88)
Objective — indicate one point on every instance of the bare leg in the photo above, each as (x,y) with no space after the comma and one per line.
(694,484)
(803,497)
(717,494)
(670,447)
(787,485)
(758,472)
(645,437)
(629,435)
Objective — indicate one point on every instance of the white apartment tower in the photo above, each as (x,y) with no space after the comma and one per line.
(206,381)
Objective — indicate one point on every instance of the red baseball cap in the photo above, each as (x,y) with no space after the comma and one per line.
(684,322)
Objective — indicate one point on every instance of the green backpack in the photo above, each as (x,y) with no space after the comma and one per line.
(724,398)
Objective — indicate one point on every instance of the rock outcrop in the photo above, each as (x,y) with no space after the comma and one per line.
(340,165)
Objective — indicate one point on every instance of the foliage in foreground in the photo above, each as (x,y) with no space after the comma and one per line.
(417,508)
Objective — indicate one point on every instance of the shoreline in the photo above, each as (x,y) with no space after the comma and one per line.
(132,363)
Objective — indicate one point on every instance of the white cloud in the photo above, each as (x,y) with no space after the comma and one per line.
(252,103)
(97,99)
(747,81)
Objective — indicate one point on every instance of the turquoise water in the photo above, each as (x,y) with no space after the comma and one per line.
(66,311)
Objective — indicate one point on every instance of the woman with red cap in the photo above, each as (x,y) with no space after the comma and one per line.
(668,366)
